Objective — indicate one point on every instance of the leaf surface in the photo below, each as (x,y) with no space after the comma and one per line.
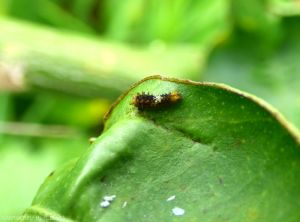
(224,154)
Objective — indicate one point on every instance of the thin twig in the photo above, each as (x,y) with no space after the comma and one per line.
(38,130)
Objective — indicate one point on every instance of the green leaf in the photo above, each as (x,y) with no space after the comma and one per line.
(4,7)
(24,164)
(256,17)
(224,154)
(204,23)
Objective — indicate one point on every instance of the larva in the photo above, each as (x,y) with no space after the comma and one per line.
(148,101)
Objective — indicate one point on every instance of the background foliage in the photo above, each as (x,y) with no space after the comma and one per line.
(252,45)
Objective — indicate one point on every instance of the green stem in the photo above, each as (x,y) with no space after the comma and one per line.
(51,59)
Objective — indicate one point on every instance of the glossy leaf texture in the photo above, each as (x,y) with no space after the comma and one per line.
(224,154)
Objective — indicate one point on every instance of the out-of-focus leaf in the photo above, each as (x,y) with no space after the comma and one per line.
(48,12)
(226,155)
(275,77)
(84,8)
(5,109)
(23,167)
(122,20)
(25,9)
(66,110)
(285,7)
(54,15)
(255,17)
(4,6)
(202,22)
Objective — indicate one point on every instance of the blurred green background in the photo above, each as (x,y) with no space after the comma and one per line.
(63,62)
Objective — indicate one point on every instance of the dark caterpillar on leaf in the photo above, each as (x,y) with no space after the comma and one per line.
(147,101)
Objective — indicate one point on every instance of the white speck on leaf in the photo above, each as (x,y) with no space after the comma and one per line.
(178,211)
(124,204)
(109,198)
(171,198)
(104,204)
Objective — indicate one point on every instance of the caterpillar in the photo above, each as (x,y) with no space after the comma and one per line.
(148,101)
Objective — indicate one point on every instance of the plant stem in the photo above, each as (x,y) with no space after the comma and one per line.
(51,59)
